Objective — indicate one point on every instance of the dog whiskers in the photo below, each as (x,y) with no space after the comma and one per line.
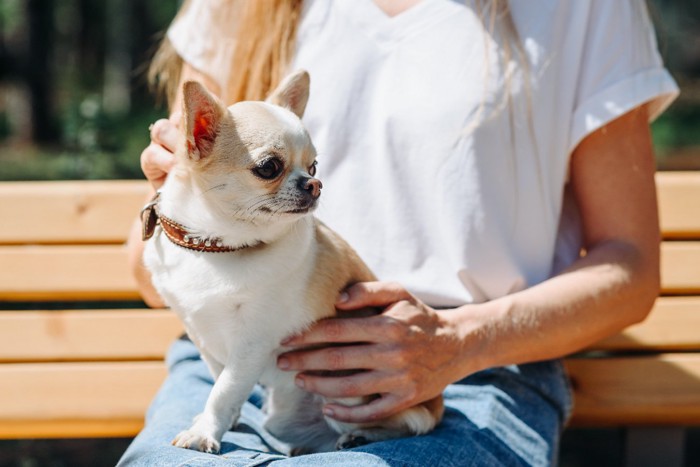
(251,212)
(258,203)
(216,187)
(268,205)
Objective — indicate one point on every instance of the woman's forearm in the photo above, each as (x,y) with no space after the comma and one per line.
(616,283)
(613,286)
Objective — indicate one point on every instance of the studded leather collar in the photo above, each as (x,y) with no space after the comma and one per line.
(179,234)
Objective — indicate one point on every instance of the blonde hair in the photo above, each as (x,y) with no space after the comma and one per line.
(497,20)
(265,41)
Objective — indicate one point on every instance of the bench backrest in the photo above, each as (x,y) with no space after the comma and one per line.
(80,356)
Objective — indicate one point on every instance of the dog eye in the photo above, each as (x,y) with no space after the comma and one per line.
(312,169)
(269,169)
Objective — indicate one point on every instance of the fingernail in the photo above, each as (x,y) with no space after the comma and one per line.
(283,363)
(328,412)
(344,297)
(299,382)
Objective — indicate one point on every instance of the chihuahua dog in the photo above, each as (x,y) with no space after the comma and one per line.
(237,254)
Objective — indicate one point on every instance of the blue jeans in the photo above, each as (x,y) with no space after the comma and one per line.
(499,417)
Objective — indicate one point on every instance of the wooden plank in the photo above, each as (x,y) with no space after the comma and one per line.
(102,428)
(76,399)
(679,204)
(146,334)
(89,272)
(672,325)
(102,211)
(95,272)
(86,335)
(109,399)
(651,390)
(680,267)
(69,212)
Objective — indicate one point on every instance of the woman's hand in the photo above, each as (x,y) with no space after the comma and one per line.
(409,353)
(158,158)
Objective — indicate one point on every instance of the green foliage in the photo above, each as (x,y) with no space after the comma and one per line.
(93,142)
(95,148)
(11,14)
(677,128)
(35,164)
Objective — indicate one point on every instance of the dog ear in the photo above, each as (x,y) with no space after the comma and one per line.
(292,93)
(203,113)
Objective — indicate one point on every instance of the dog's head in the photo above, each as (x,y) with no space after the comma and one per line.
(253,161)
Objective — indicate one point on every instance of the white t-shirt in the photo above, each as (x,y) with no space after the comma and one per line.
(426,173)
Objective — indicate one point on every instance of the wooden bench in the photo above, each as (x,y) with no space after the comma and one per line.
(81,357)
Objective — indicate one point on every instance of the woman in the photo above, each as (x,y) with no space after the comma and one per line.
(469,151)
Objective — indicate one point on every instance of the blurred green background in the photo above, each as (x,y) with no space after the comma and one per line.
(74,103)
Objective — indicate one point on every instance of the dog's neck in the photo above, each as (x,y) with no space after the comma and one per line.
(181,201)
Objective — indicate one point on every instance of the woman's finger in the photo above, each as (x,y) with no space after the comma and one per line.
(156,162)
(348,330)
(354,357)
(361,384)
(382,407)
(371,294)
(165,133)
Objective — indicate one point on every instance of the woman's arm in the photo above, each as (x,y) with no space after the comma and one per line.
(156,161)
(413,352)
(616,283)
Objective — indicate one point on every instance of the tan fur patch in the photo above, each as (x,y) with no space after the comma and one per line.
(337,267)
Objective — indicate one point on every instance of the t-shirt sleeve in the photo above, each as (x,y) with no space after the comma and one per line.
(203,34)
(621,68)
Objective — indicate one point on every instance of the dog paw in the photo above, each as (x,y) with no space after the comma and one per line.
(190,439)
(350,440)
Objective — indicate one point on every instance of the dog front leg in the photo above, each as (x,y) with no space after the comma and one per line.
(223,406)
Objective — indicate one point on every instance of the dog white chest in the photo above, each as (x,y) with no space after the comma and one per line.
(226,298)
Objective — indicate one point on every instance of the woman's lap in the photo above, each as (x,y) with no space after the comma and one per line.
(504,416)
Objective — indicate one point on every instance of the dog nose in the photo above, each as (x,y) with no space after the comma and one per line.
(313,186)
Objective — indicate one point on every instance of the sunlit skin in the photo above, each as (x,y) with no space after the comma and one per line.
(411,352)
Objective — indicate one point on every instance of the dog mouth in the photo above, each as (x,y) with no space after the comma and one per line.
(296,210)
(302,209)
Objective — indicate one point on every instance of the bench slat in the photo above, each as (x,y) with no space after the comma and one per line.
(116,427)
(75,399)
(680,267)
(89,272)
(87,335)
(102,211)
(679,209)
(69,212)
(672,326)
(654,390)
(114,396)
